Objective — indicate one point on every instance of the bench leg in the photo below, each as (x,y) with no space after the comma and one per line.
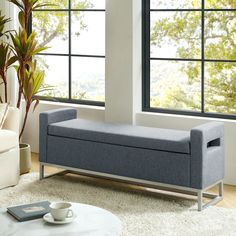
(215,198)
(199,200)
(41,171)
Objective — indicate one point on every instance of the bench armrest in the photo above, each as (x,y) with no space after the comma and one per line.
(207,154)
(47,118)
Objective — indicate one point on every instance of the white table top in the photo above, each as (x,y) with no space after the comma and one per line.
(90,221)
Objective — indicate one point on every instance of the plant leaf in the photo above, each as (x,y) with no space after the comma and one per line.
(17,4)
(21,18)
(12,60)
(36,104)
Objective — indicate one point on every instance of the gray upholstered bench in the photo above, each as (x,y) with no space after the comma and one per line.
(181,160)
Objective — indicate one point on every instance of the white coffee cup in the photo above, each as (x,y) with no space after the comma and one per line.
(61,210)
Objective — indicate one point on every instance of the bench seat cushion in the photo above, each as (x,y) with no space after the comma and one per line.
(125,135)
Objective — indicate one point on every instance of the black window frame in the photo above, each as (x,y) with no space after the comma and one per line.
(69,55)
(146,63)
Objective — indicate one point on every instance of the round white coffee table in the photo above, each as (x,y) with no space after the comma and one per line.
(90,221)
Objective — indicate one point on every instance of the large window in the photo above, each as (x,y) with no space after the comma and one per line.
(74,63)
(189,51)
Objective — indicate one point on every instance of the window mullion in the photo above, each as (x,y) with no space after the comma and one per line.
(69,41)
(146,54)
(203,59)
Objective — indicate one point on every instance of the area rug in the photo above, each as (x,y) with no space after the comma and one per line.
(141,213)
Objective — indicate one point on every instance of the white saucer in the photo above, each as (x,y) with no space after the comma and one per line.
(48,218)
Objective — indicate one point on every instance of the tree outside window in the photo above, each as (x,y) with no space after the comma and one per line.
(191,56)
(75,59)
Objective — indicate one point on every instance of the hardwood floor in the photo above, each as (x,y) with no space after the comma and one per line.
(229,200)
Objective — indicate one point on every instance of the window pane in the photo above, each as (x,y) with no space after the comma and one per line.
(220,4)
(52,30)
(175,85)
(56,75)
(88,4)
(62,4)
(220,87)
(88,33)
(220,35)
(176,34)
(175,4)
(88,78)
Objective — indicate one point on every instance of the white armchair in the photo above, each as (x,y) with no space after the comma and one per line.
(9,149)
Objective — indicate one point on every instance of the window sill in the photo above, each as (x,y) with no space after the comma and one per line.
(72,105)
(159,116)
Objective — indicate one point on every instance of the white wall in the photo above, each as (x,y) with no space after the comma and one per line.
(119,62)
(123,85)
(123,60)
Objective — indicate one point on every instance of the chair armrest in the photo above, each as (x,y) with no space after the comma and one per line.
(12,121)
(47,118)
(207,154)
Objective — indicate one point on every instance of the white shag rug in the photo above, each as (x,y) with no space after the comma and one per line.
(141,213)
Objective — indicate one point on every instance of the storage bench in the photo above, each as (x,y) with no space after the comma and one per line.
(190,161)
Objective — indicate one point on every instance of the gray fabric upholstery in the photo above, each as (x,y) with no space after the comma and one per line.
(121,134)
(192,159)
(207,154)
(152,165)
(49,117)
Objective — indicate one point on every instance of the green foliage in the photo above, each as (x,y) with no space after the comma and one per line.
(5,62)
(3,21)
(34,79)
(5,55)
(25,47)
(33,82)
(5,59)
(50,25)
(181,27)
(183,31)
(173,4)
(26,7)
(228,4)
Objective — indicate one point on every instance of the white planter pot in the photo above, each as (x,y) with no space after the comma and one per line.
(25,158)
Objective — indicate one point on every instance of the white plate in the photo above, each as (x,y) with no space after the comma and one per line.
(48,218)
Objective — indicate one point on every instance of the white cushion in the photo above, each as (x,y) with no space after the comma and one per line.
(3,113)
(8,140)
(12,120)
(9,168)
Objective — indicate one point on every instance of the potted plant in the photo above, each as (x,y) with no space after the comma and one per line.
(30,79)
